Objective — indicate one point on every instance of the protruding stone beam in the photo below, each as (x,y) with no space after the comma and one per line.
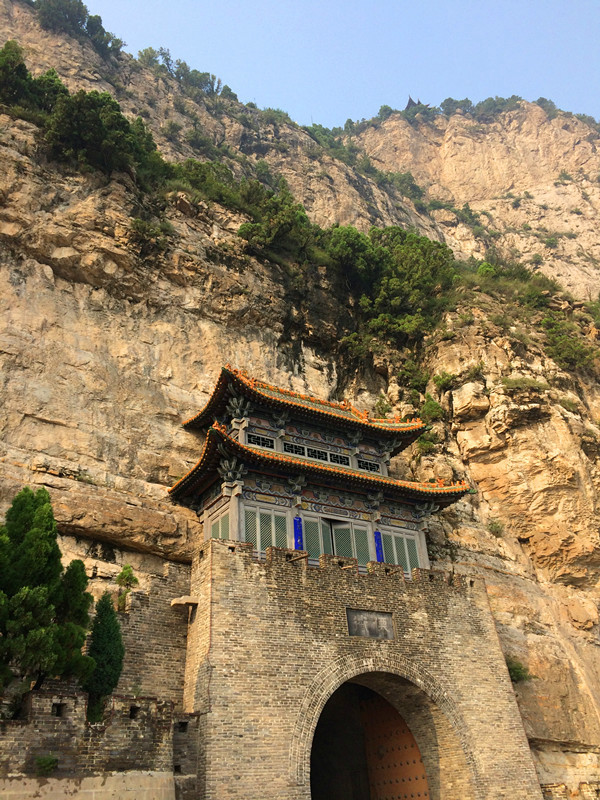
(185,600)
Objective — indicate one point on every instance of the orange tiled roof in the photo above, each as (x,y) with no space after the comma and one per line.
(217,434)
(268,394)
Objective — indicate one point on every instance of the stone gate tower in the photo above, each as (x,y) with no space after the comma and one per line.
(324,659)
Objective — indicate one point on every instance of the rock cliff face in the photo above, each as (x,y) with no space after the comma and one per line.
(103,353)
(534,181)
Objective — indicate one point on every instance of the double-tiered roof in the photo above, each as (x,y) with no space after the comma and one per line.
(342,415)
(219,441)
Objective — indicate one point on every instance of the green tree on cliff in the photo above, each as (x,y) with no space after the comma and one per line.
(43,608)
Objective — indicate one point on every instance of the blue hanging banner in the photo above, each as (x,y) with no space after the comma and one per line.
(298,538)
(378,546)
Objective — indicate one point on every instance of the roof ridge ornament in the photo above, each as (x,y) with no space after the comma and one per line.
(238,406)
(231,469)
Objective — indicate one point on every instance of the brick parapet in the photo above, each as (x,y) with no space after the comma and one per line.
(135,734)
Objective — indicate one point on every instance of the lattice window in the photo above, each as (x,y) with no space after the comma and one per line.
(345,539)
(295,449)
(342,539)
(319,455)
(312,538)
(401,549)
(368,466)
(260,441)
(316,454)
(265,528)
(337,458)
(219,527)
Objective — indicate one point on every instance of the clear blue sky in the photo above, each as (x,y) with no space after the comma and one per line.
(327,60)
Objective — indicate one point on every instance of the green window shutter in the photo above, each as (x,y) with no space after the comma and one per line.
(388,548)
(250,527)
(266,530)
(342,538)
(214,530)
(402,558)
(361,540)
(413,553)
(326,537)
(225,526)
(280,530)
(312,540)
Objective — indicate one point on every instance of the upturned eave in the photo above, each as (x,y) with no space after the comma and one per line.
(218,441)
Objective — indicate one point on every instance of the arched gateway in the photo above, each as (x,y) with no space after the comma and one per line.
(397,733)
(364,750)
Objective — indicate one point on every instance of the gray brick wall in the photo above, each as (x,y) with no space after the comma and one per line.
(270,644)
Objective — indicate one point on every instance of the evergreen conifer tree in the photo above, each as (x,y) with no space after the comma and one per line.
(43,611)
(106,648)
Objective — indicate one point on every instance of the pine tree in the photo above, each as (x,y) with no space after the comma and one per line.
(43,611)
(72,614)
(106,648)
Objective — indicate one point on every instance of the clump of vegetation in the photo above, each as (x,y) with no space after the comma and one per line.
(444,381)
(149,238)
(431,410)
(569,405)
(485,111)
(413,376)
(564,347)
(45,765)
(125,580)
(495,527)
(524,384)
(382,406)
(517,670)
(426,442)
(72,17)
(475,373)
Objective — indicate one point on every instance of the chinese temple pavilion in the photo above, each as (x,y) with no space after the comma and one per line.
(288,470)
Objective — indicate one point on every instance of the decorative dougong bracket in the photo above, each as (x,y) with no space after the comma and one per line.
(281,418)
(374,500)
(231,470)
(297,484)
(424,509)
(354,438)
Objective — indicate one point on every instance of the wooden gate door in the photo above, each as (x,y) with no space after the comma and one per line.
(394,763)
